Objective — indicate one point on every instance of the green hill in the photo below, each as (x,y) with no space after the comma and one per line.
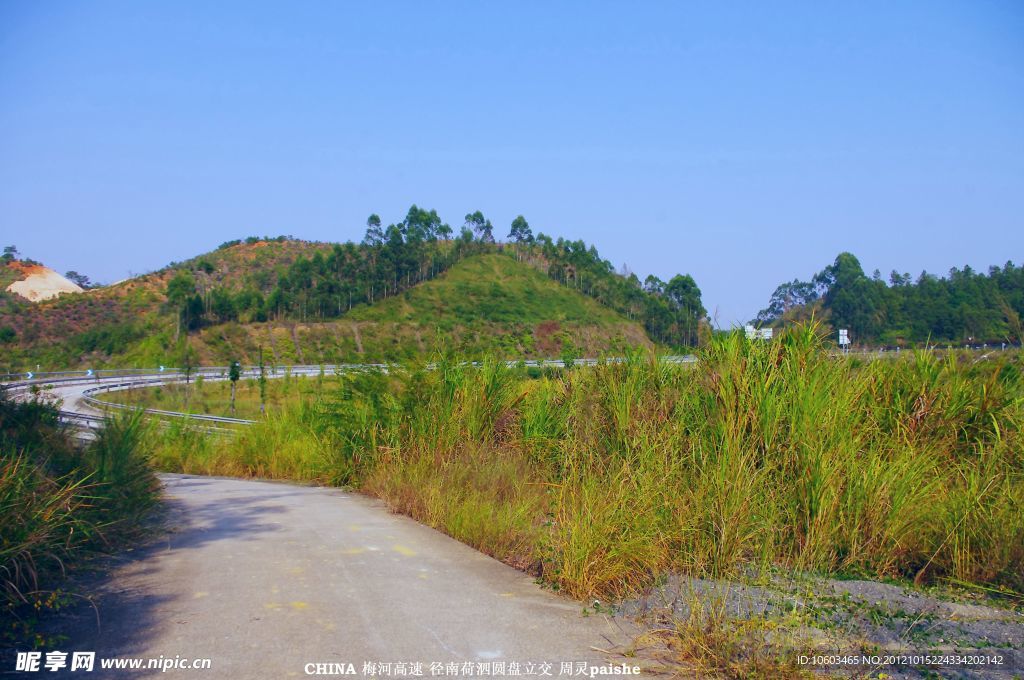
(405,290)
(493,302)
(130,322)
(489,288)
(487,302)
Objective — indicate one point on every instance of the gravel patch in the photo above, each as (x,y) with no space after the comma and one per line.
(851,617)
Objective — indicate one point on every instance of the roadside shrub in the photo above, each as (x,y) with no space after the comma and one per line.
(59,501)
(125,486)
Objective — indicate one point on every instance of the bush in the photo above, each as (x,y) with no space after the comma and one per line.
(125,486)
(58,503)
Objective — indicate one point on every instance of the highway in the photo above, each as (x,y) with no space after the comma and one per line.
(81,393)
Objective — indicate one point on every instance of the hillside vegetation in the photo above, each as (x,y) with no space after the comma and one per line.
(129,321)
(489,288)
(964,307)
(484,304)
(408,289)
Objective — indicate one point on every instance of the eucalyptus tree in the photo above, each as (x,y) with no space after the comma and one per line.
(180,292)
(188,364)
(685,300)
(520,232)
(481,226)
(234,373)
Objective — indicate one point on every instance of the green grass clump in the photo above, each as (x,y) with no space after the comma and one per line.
(118,469)
(59,502)
(285,444)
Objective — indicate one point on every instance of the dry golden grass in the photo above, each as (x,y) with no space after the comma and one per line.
(762,455)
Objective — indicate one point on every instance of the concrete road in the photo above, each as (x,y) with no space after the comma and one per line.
(264,578)
(71,395)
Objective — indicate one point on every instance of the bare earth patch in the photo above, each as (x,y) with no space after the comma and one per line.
(789,616)
(41,283)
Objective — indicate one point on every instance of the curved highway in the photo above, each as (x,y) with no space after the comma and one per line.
(80,393)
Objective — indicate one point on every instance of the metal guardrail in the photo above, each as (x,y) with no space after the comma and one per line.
(152,377)
(48,377)
(87,396)
(96,375)
(91,424)
(85,420)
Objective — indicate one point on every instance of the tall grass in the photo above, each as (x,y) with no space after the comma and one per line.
(762,455)
(289,444)
(118,470)
(59,501)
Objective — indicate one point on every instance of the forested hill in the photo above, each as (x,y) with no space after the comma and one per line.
(307,302)
(329,284)
(965,306)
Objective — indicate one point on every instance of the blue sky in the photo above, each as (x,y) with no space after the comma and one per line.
(744,143)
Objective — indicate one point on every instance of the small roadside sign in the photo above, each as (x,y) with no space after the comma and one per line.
(758,333)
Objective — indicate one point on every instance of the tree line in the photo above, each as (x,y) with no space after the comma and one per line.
(392,259)
(671,312)
(964,307)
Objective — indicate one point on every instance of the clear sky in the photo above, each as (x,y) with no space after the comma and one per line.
(744,143)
